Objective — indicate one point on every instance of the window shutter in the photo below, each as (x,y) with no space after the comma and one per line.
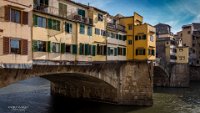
(6,45)
(63,48)
(74,49)
(67,27)
(144,37)
(35,20)
(7,13)
(93,50)
(105,50)
(24,47)
(50,23)
(34,46)
(124,38)
(86,49)
(25,18)
(115,51)
(109,51)
(124,51)
(136,51)
(49,46)
(143,51)
(81,49)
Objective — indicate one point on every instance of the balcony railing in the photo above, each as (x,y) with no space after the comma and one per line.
(116,27)
(71,15)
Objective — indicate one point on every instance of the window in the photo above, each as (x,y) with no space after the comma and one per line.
(81,49)
(140,51)
(189,32)
(140,37)
(103,33)
(62,10)
(74,49)
(39,46)
(193,45)
(151,38)
(55,47)
(112,35)
(81,12)
(100,17)
(120,37)
(120,51)
(124,52)
(130,42)
(15,46)
(68,48)
(124,38)
(54,24)
(101,49)
(68,27)
(97,31)
(151,52)
(130,27)
(44,2)
(116,52)
(82,29)
(89,31)
(15,16)
(41,22)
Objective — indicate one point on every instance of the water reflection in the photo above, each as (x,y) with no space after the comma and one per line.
(35,95)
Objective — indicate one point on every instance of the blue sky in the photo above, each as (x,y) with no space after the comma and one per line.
(173,12)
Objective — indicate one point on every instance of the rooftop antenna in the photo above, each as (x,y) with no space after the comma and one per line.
(88,4)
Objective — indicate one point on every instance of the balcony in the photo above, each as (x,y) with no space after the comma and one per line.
(116,27)
(63,14)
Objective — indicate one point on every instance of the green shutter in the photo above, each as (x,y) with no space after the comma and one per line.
(153,52)
(49,46)
(67,27)
(74,49)
(63,48)
(34,46)
(144,37)
(35,20)
(81,49)
(124,51)
(86,49)
(50,24)
(93,50)
(108,51)
(116,52)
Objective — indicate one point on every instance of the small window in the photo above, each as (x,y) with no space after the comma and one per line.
(130,42)
(103,33)
(82,29)
(136,37)
(89,31)
(189,32)
(55,47)
(130,27)
(68,49)
(68,27)
(151,38)
(140,51)
(81,12)
(97,31)
(15,46)
(39,46)
(15,16)
(100,17)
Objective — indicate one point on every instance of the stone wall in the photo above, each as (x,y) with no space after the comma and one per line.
(180,76)
(194,73)
(126,83)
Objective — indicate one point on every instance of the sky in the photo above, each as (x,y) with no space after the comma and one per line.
(176,13)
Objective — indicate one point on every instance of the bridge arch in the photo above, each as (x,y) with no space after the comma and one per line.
(161,77)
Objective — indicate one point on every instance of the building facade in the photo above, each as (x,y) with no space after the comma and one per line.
(15,33)
(190,37)
(64,32)
(182,53)
(166,44)
(141,38)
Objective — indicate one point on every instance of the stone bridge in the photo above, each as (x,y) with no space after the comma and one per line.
(125,83)
(171,75)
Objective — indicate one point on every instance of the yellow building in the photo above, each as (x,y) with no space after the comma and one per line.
(15,34)
(141,38)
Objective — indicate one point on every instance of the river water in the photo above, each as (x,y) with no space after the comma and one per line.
(33,96)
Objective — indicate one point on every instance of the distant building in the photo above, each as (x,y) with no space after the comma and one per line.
(190,37)
(182,53)
(166,44)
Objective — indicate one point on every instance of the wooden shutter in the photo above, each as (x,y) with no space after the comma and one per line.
(6,45)
(35,20)
(7,13)
(74,49)
(49,46)
(63,48)
(93,50)
(25,18)
(24,47)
